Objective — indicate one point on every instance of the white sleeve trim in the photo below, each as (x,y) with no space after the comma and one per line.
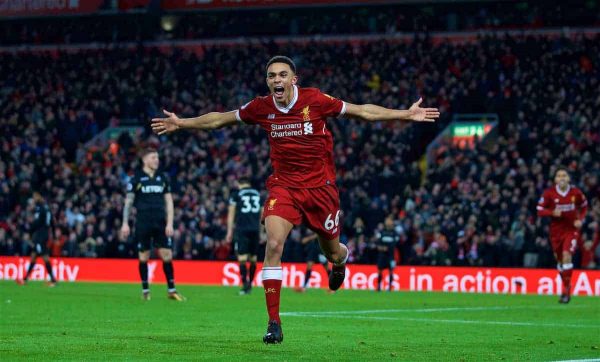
(343,111)
(237,116)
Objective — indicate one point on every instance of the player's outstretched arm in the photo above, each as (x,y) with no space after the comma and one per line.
(371,112)
(208,121)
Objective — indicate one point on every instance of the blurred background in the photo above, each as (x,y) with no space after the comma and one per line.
(517,83)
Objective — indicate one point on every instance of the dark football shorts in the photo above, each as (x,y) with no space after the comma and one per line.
(40,243)
(384,261)
(246,242)
(151,233)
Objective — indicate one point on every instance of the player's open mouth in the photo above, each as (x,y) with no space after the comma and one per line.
(278,91)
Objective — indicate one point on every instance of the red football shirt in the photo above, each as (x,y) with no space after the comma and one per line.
(572,204)
(301,144)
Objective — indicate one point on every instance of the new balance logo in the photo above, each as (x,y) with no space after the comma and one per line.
(308,128)
(271,116)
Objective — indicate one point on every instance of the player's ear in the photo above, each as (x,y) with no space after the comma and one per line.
(294,79)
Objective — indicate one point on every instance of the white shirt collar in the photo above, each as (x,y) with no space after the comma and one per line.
(563,194)
(289,106)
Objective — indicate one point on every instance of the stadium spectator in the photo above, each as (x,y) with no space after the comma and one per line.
(548,117)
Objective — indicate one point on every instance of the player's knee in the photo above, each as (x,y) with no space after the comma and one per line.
(274,246)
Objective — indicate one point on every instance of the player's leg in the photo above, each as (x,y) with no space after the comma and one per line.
(278,230)
(382,264)
(32,260)
(391,276)
(166,254)
(323,261)
(557,250)
(253,242)
(379,278)
(142,238)
(242,261)
(568,248)
(280,215)
(309,266)
(143,256)
(321,208)
(337,254)
(251,271)
(241,246)
(46,258)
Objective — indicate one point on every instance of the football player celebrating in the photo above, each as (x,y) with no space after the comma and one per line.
(302,187)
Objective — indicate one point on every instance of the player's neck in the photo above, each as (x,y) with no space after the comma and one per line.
(149,171)
(286,102)
(563,189)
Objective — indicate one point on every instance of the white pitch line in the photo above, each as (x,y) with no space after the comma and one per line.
(580,360)
(359,314)
(417,310)
(456,321)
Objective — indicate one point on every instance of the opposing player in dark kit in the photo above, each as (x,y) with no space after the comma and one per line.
(41,229)
(150,192)
(387,241)
(243,227)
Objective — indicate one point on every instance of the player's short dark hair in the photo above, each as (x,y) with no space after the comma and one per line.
(561,168)
(147,150)
(282,59)
(244,180)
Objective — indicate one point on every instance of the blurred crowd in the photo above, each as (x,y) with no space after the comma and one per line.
(470,207)
(390,18)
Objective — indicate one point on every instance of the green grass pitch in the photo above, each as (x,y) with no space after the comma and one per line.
(93,321)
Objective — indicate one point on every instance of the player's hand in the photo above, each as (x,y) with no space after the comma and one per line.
(418,114)
(578,224)
(556,213)
(125,231)
(169,231)
(229,237)
(166,125)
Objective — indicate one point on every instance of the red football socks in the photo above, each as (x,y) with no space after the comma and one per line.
(272,283)
(565,275)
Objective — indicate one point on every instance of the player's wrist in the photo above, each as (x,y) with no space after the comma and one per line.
(179,123)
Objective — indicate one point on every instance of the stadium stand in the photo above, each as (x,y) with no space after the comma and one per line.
(475,207)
